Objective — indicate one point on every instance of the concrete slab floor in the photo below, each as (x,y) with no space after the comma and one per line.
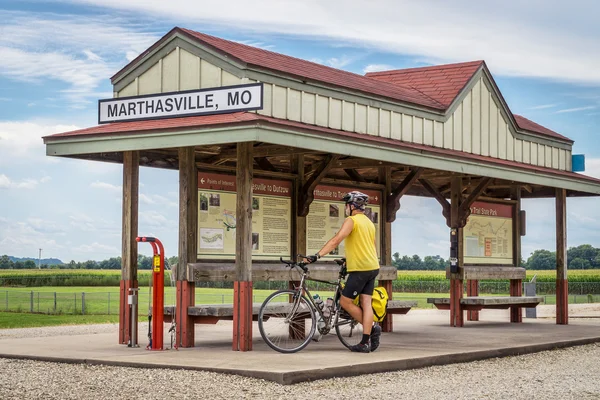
(421,338)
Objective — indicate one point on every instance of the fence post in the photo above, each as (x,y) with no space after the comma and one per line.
(108,303)
(75,302)
(7,300)
(55,302)
(38,296)
(82,303)
(31,302)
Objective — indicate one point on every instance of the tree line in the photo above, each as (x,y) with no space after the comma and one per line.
(144,262)
(584,256)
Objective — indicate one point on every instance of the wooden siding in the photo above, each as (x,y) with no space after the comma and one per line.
(477,125)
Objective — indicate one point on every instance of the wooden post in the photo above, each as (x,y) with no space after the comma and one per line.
(299,222)
(516,285)
(456,282)
(298,234)
(562,283)
(472,290)
(385,175)
(131,168)
(242,293)
(188,239)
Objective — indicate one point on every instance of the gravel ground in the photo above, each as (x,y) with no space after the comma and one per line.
(566,374)
(570,373)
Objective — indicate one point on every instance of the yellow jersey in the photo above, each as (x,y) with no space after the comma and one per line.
(361,254)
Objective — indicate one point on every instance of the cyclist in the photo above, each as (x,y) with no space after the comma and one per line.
(362,264)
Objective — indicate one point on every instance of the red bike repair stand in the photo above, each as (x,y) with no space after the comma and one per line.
(158,294)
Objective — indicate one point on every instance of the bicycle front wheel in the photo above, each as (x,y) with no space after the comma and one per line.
(287,321)
(348,330)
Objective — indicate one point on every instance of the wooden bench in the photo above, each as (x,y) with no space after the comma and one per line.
(474,303)
(213,313)
(225,272)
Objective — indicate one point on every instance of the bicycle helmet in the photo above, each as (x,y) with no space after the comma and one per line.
(356,199)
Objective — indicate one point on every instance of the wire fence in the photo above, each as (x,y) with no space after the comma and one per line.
(107,303)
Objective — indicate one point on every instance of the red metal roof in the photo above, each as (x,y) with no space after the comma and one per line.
(528,125)
(158,125)
(244,118)
(432,87)
(442,83)
(302,69)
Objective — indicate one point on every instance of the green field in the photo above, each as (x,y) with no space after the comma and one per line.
(28,320)
(587,275)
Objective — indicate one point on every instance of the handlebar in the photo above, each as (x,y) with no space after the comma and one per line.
(303,265)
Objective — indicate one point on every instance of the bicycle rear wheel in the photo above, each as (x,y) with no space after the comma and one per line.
(347,329)
(287,321)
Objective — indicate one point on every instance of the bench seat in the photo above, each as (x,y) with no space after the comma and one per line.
(476,303)
(212,313)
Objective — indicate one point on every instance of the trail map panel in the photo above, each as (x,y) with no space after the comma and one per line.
(271,217)
(488,234)
(326,216)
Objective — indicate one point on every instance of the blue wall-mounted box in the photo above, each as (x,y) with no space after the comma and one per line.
(578,162)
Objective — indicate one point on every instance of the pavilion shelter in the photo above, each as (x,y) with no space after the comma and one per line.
(267,120)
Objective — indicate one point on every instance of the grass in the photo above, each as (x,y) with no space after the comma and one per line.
(28,320)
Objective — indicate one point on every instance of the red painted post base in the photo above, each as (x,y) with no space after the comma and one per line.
(472,290)
(242,316)
(516,289)
(562,301)
(184,332)
(456,311)
(124,311)
(387,325)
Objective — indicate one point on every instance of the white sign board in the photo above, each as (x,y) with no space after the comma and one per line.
(226,99)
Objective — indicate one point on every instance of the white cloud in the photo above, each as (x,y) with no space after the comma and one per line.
(592,167)
(340,62)
(377,68)
(543,106)
(519,39)
(96,247)
(146,199)
(82,53)
(21,141)
(107,186)
(570,110)
(7,183)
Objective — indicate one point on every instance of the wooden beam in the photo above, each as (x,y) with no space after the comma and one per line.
(385,177)
(299,222)
(360,163)
(465,206)
(439,197)
(188,239)
(307,191)
(129,249)
(354,175)
(265,164)
(562,285)
(242,305)
(267,151)
(456,282)
(393,198)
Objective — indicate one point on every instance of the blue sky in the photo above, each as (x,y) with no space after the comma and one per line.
(57,58)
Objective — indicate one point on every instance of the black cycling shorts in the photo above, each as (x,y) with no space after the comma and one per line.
(360,282)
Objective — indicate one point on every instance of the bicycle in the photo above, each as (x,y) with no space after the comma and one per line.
(288,319)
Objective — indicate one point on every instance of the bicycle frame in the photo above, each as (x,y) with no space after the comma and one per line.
(318,310)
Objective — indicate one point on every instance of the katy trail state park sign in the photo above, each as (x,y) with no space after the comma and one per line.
(226,99)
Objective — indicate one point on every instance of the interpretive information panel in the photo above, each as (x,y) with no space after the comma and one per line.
(271,217)
(488,235)
(326,216)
